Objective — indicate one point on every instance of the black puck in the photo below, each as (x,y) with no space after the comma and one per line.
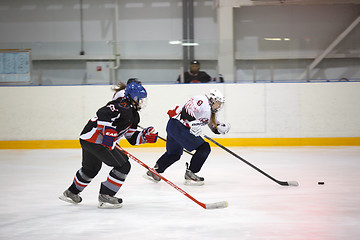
(321,183)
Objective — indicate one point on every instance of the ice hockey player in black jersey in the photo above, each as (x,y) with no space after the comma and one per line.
(118,118)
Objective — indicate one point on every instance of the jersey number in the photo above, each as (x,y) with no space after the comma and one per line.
(199,102)
(112,108)
(124,104)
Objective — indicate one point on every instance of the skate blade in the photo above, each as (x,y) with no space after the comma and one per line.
(150,178)
(193,183)
(109,205)
(66,199)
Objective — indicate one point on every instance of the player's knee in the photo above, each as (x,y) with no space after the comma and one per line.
(90,172)
(174,157)
(204,149)
(125,168)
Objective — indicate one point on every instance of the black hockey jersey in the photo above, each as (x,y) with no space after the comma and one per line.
(119,114)
(199,77)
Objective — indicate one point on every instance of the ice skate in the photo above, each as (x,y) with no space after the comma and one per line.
(107,201)
(151,176)
(191,178)
(70,197)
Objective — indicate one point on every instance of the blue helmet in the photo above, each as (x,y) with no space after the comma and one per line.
(130,80)
(136,92)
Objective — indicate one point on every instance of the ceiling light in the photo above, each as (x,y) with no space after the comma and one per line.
(190,44)
(273,39)
(175,42)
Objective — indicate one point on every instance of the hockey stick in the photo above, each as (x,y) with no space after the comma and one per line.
(165,141)
(215,205)
(288,183)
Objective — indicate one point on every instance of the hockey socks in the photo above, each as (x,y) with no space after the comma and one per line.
(113,183)
(81,180)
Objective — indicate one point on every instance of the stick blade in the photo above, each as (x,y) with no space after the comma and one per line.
(293,183)
(223,204)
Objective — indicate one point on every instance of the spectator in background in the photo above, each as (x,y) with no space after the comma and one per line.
(195,75)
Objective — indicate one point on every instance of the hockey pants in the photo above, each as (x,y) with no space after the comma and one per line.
(178,138)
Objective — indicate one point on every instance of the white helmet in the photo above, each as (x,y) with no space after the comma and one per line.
(214,96)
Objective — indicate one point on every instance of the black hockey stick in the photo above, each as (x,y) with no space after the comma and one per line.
(215,205)
(288,183)
(165,141)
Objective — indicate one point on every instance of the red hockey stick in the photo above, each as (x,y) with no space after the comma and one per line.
(223,204)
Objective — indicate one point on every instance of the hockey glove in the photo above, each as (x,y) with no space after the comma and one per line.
(195,127)
(149,135)
(223,128)
(109,137)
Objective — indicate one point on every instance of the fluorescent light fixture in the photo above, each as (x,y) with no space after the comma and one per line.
(277,39)
(175,42)
(190,44)
(273,39)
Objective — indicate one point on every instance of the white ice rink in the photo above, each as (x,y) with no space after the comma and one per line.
(32,180)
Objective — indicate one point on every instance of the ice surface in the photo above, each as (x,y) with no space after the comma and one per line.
(32,180)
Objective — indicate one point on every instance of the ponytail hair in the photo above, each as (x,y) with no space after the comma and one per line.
(118,87)
(213,120)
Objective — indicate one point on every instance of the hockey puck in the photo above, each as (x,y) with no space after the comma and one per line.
(321,183)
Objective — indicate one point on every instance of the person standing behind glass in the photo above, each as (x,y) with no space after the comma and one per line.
(195,75)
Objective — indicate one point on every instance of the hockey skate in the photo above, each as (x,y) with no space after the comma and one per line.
(107,201)
(191,178)
(151,176)
(70,197)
